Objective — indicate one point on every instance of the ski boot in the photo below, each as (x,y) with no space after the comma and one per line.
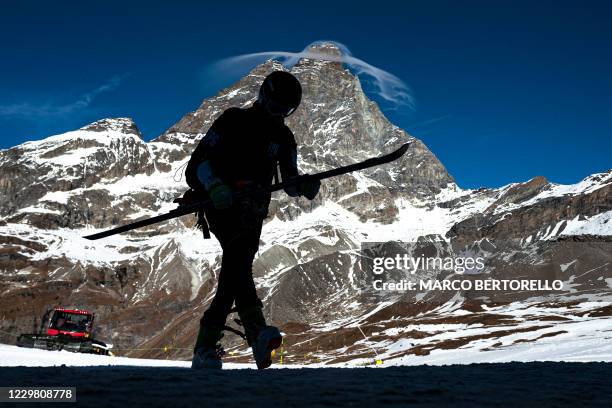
(262,338)
(207,353)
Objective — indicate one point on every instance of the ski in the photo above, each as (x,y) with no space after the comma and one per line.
(185,209)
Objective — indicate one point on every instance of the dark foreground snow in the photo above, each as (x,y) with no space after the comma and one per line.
(507,385)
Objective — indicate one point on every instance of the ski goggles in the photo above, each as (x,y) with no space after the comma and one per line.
(277,109)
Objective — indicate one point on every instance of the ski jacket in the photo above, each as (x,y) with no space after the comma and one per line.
(243,146)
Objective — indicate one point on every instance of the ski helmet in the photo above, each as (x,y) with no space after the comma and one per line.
(280,94)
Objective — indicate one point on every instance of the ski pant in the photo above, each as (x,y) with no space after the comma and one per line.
(238,233)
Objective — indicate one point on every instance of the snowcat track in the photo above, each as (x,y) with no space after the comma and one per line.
(51,343)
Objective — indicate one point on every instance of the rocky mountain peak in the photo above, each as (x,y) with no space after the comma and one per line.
(45,183)
(326,48)
(524,191)
(322,55)
(122,125)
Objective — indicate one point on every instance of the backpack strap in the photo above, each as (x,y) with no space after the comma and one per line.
(276,175)
(203,224)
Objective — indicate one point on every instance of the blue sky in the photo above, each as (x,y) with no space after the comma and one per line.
(504,91)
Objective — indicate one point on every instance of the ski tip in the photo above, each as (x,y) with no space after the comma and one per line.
(401,151)
(94,237)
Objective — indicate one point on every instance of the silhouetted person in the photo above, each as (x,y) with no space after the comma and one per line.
(243,150)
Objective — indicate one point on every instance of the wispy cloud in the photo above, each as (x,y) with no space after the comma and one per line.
(386,85)
(27,109)
(427,123)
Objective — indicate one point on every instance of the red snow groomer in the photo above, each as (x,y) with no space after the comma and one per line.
(65,329)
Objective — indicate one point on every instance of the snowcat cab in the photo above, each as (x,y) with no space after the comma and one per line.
(71,323)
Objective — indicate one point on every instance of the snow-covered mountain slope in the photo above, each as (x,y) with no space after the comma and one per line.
(149,287)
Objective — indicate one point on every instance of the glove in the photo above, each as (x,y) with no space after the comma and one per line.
(309,187)
(221,196)
(189,197)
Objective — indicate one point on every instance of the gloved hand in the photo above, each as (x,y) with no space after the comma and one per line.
(221,196)
(309,187)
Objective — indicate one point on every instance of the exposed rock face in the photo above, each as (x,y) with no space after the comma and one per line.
(33,173)
(125,126)
(519,214)
(149,287)
(521,192)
